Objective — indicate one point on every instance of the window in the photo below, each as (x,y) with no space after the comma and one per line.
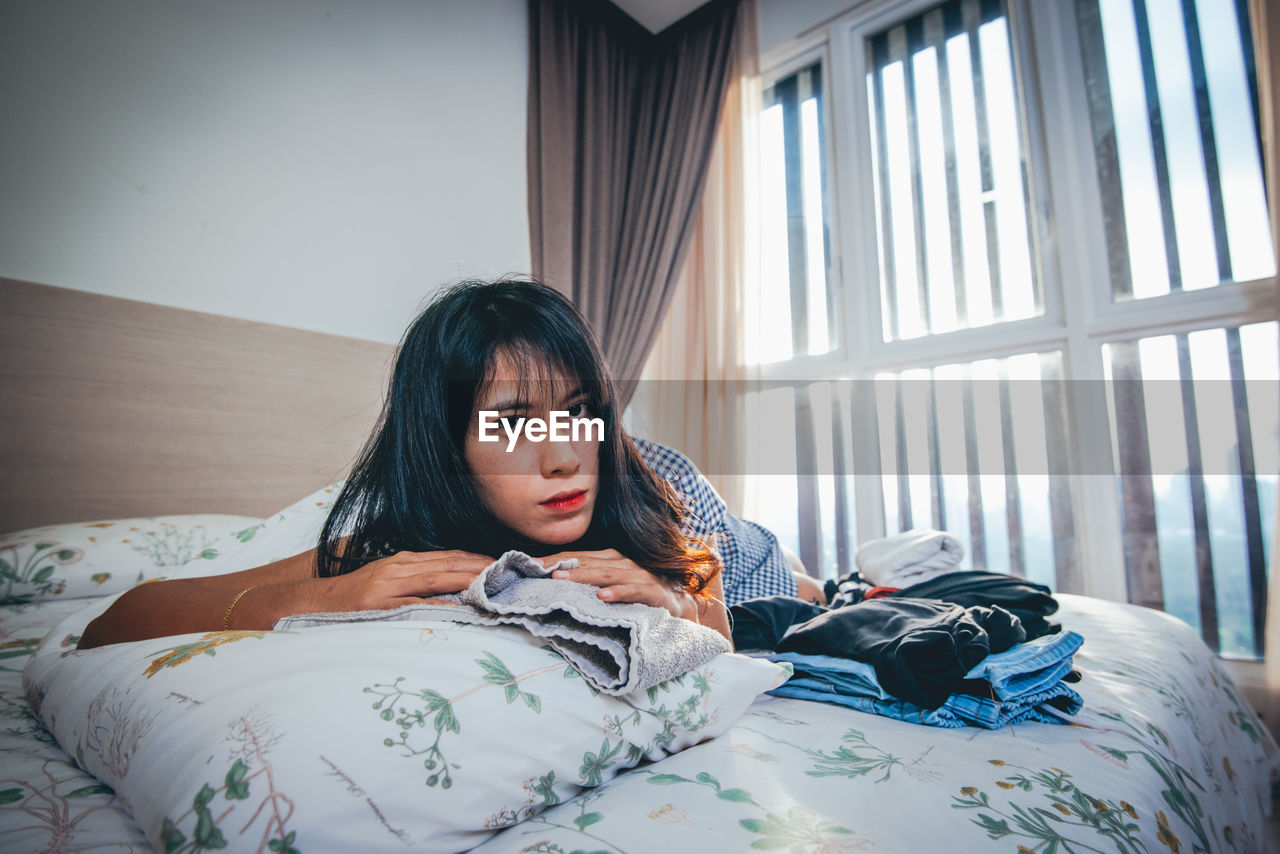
(1198,489)
(1173,112)
(1055,338)
(795,315)
(953,204)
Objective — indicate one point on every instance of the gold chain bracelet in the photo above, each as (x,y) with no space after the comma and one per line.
(226,618)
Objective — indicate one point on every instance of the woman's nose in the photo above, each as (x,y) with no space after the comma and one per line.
(558,458)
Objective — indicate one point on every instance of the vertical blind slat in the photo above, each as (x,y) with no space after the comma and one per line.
(1068,577)
(1208,147)
(1012,490)
(1157,142)
(935,460)
(1246,47)
(788,95)
(844,520)
(972,467)
(1098,86)
(935,29)
(972,12)
(1254,542)
(815,82)
(911,41)
(807,482)
(1199,505)
(1141,547)
(905,522)
(879,48)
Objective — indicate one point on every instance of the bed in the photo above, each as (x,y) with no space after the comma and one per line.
(354,738)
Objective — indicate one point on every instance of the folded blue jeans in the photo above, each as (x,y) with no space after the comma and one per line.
(1023,683)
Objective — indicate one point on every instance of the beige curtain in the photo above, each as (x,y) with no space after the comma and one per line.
(690,395)
(1264,15)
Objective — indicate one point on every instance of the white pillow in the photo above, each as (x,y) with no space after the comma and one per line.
(82,559)
(428,736)
(293,530)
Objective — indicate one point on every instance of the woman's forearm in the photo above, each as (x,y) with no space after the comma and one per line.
(257,599)
(165,608)
(260,596)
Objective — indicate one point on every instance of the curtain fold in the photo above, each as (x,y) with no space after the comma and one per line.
(621,127)
(1266,50)
(691,394)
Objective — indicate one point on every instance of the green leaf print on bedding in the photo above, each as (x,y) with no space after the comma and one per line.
(36,568)
(857,757)
(595,764)
(801,830)
(411,711)
(497,673)
(1054,826)
(266,806)
(172,546)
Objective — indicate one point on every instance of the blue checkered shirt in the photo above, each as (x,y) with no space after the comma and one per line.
(753,561)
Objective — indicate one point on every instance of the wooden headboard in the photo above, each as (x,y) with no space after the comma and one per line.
(113,408)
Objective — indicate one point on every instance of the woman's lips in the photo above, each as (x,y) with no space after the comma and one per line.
(566,501)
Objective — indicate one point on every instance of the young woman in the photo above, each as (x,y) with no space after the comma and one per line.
(428,504)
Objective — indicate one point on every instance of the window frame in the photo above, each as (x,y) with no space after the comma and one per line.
(1079,316)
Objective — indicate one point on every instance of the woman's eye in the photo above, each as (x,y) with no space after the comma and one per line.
(578,410)
(510,422)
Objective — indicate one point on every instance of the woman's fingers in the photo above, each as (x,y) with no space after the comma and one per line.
(441,560)
(603,576)
(432,583)
(621,580)
(404,578)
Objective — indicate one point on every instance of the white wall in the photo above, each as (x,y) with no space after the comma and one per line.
(779,21)
(321,165)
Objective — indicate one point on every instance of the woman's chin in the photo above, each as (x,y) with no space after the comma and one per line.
(561,537)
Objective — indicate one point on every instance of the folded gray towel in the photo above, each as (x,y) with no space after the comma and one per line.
(617,647)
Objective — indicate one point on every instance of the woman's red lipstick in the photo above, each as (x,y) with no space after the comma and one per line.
(569,500)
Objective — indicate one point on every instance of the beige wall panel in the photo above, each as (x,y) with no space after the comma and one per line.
(112,408)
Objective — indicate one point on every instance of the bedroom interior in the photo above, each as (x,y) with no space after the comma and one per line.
(216,224)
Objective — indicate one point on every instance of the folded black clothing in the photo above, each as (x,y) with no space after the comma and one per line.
(1028,601)
(758,624)
(920,649)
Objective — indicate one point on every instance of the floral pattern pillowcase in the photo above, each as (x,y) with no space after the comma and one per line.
(423,736)
(83,559)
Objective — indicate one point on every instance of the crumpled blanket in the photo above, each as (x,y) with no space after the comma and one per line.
(617,647)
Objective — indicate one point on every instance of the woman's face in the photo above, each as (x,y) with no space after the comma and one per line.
(544,490)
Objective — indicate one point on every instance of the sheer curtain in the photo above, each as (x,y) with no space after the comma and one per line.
(1266,44)
(621,127)
(691,394)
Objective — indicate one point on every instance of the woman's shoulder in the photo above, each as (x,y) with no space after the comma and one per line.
(704,508)
(665,461)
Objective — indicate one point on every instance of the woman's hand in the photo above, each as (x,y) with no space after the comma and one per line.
(404,578)
(622,580)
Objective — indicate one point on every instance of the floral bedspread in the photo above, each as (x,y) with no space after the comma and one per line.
(1165,755)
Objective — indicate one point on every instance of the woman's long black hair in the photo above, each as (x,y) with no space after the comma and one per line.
(411,488)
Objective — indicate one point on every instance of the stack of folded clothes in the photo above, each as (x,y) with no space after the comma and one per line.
(954,649)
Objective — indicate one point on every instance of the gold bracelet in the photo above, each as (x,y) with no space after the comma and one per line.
(226,618)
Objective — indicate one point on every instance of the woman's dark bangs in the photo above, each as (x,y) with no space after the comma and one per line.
(546,370)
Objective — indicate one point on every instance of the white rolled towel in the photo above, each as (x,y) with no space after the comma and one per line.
(908,558)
